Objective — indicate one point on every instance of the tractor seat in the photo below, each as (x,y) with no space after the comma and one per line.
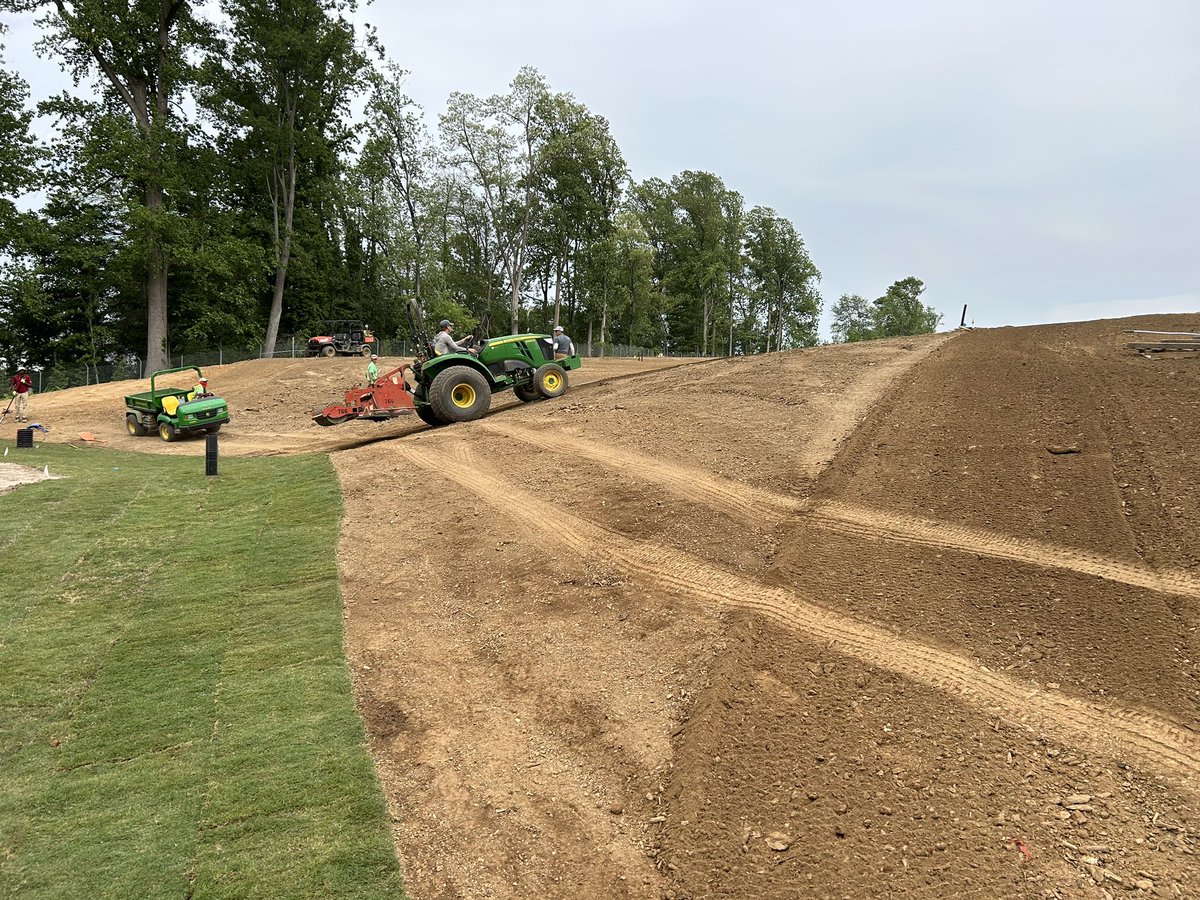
(170,405)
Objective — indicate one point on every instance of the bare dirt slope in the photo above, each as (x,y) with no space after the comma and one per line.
(909,618)
(271,402)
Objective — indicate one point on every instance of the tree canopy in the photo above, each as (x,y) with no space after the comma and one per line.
(223,175)
(897,313)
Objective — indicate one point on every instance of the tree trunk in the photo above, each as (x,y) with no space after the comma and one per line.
(558,267)
(156,288)
(286,182)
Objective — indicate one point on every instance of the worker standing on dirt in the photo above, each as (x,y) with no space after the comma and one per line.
(22,386)
(372,371)
(563,346)
(444,343)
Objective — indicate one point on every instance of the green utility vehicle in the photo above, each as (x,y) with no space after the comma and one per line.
(174,411)
(458,387)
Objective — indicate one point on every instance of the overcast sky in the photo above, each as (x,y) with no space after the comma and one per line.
(1037,160)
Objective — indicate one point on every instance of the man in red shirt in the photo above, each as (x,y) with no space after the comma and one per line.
(22,384)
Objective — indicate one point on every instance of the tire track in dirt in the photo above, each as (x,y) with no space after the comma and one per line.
(876,525)
(739,501)
(755,505)
(1109,729)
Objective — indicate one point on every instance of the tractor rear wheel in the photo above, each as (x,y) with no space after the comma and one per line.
(459,394)
(328,350)
(166,431)
(133,424)
(526,392)
(550,380)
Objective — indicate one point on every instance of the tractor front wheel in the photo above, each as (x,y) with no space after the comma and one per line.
(459,394)
(550,380)
(366,350)
(133,424)
(166,431)
(328,350)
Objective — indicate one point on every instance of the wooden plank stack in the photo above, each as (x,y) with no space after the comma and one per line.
(1164,341)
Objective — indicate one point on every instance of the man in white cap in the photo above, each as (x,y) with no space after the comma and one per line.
(200,391)
(372,371)
(563,347)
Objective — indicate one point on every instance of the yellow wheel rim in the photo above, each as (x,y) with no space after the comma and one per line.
(163,433)
(552,381)
(463,396)
(130,427)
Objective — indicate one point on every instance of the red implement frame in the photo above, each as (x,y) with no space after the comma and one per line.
(388,399)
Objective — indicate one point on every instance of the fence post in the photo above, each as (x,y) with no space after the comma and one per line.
(220,356)
(293,346)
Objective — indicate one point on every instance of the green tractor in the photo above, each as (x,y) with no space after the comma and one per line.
(174,411)
(458,387)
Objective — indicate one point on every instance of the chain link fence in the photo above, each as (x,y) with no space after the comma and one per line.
(287,347)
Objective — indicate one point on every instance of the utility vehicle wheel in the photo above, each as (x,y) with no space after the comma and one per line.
(550,380)
(526,392)
(366,350)
(459,394)
(166,431)
(427,415)
(328,350)
(133,424)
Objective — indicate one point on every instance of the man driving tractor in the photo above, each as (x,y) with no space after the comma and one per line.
(444,343)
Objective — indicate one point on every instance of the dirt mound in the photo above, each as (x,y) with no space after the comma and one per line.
(905,618)
(271,402)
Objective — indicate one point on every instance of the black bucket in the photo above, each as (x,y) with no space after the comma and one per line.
(24,438)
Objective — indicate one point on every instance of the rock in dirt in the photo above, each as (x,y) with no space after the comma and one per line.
(1076,799)
(778,841)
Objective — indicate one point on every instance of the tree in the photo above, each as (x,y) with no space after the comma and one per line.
(898,312)
(18,151)
(695,224)
(279,86)
(901,312)
(498,145)
(853,319)
(784,276)
(399,151)
(139,51)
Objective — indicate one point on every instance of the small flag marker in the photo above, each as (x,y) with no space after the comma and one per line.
(46,471)
(6,451)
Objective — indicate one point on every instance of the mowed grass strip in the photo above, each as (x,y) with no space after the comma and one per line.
(176,714)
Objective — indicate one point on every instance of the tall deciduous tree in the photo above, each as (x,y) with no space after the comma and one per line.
(901,312)
(784,276)
(853,319)
(694,225)
(280,89)
(399,150)
(138,49)
(499,145)
(18,152)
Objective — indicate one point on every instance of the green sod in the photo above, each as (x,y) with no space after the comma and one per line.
(176,716)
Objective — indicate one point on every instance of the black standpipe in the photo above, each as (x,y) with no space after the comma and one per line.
(210,454)
(963,323)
